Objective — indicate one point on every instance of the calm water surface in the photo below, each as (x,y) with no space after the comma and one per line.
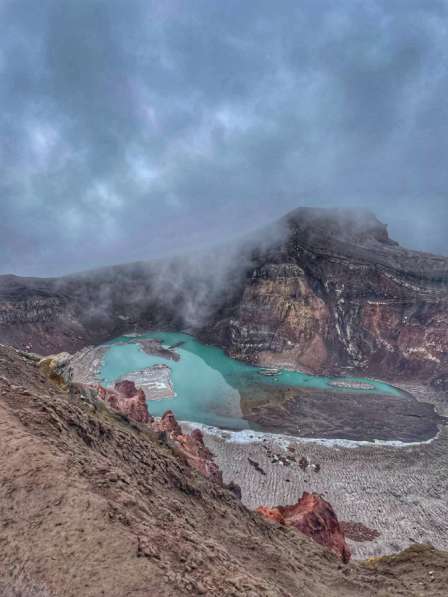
(207,382)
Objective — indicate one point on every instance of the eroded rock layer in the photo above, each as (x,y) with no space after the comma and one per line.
(337,292)
(315,517)
(320,290)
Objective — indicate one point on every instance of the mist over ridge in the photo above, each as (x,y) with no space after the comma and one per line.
(133,132)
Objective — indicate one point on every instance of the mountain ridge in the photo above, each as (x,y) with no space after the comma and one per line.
(321,290)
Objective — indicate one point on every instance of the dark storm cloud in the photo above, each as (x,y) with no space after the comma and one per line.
(129,129)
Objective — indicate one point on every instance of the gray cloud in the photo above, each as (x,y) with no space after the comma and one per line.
(129,130)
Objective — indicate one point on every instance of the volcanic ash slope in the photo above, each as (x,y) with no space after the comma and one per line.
(92,504)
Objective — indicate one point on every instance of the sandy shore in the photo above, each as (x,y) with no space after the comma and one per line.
(85,364)
(402,492)
(155,381)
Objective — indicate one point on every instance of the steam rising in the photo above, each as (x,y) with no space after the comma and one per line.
(190,290)
(185,290)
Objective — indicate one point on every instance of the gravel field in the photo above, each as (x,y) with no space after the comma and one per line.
(402,492)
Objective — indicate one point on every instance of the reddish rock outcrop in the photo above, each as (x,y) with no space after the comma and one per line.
(126,388)
(198,455)
(126,399)
(190,445)
(315,517)
(168,424)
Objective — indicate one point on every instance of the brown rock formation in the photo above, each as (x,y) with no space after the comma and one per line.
(281,319)
(190,445)
(126,388)
(168,424)
(127,400)
(315,517)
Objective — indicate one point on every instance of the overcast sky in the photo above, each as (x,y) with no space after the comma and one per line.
(133,128)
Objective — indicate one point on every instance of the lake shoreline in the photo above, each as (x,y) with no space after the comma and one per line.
(202,384)
(397,490)
(250,436)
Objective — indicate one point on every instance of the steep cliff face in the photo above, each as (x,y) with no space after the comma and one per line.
(281,320)
(320,290)
(39,314)
(54,314)
(337,292)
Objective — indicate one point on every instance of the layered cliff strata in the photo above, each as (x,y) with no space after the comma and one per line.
(337,292)
(320,290)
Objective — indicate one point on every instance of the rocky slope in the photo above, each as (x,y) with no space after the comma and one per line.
(127,400)
(92,503)
(319,290)
(312,515)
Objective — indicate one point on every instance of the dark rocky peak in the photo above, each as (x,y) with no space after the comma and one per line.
(357,226)
(359,236)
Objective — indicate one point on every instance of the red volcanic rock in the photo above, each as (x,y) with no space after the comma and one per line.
(191,446)
(169,424)
(126,388)
(127,400)
(198,455)
(315,517)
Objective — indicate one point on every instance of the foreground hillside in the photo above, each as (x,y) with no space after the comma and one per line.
(92,504)
(319,290)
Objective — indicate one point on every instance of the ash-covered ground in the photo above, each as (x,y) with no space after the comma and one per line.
(400,491)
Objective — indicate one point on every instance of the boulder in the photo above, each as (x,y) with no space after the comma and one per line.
(168,424)
(126,399)
(56,368)
(314,517)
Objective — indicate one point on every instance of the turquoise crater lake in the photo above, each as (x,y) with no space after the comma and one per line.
(209,384)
